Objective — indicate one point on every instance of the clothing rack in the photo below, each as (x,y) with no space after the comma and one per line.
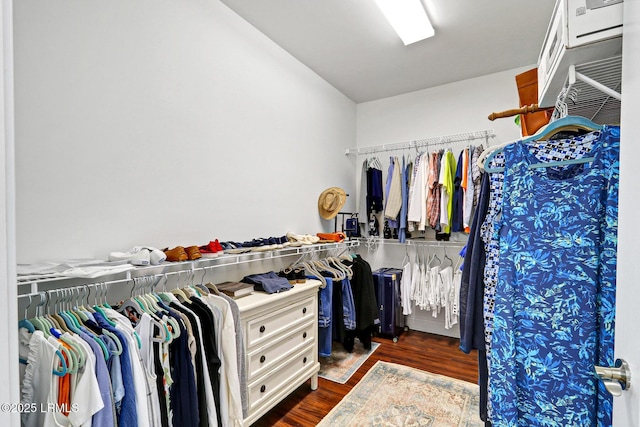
(440,140)
(421,242)
(31,288)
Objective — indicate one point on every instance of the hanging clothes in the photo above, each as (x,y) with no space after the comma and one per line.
(446,182)
(158,363)
(417,194)
(556,287)
(374,196)
(405,286)
(366,306)
(363,206)
(457,211)
(394,192)
(468,189)
(402,232)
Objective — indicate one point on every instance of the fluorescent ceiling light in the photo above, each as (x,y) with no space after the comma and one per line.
(408,18)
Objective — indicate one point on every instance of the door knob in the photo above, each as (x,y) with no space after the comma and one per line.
(615,379)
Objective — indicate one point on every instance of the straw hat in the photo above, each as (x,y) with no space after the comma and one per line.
(331,201)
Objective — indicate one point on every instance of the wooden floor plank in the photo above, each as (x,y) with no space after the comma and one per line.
(431,353)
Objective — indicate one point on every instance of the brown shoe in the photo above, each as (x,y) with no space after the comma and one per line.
(176,254)
(193,253)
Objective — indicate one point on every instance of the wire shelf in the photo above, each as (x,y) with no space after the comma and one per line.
(482,135)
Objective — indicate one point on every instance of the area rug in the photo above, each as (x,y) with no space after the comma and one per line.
(396,395)
(342,365)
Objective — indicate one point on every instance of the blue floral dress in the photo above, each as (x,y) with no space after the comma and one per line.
(555,294)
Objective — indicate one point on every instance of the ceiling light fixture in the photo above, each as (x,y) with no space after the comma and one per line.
(408,18)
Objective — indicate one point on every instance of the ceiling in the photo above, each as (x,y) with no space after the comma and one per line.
(350,44)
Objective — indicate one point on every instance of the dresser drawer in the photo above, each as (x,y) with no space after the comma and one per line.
(273,354)
(288,372)
(267,326)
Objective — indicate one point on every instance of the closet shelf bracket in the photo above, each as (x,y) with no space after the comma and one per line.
(575,75)
(592,90)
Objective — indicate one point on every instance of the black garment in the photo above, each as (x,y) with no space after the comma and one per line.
(363,335)
(472,286)
(200,388)
(374,191)
(364,298)
(457,215)
(337,313)
(208,322)
(183,393)
(472,295)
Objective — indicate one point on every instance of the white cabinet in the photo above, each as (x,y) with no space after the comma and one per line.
(281,343)
(580,32)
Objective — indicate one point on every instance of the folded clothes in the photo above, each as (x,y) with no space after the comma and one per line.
(268,282)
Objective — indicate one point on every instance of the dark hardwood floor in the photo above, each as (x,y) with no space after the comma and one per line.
(432,353)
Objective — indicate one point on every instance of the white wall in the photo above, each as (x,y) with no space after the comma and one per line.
(165,123)
(444,110)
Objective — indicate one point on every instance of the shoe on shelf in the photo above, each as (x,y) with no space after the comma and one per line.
(305,239)
(156,256)
(209,250)
(193,253)
(284,241)
(176,254)
(275,243)
(289,274)
(300,275)
(140,257)
(218,247)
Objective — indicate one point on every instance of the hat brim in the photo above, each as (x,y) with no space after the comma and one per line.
(331,213)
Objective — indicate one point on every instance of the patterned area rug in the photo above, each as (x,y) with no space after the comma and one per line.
(341,365)
(396,395)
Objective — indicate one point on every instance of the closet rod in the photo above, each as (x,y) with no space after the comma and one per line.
(420,242)
(439,140)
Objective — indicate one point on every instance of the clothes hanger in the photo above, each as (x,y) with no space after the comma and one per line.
(77,355)
(178,292)
(40,322)
(24,323)
(433,258)
(71,329)
(103,304)
(568,123)
(335,261)
(446,256)
(73,314)
(152,309)
(324,266)
(313,272)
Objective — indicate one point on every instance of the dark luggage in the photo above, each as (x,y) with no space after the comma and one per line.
(387,284)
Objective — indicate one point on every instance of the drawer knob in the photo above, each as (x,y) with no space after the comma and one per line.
(262,328)
(304,335)
(263,389)
(304,310)
(262,359)
(304,360)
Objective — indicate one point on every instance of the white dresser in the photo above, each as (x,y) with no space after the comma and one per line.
(281,342)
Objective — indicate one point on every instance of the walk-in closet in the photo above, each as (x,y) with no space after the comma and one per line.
(294,213)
